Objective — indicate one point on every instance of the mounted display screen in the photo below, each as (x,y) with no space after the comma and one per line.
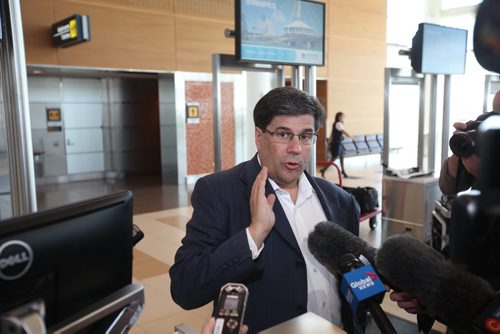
(438,50)
(280,31)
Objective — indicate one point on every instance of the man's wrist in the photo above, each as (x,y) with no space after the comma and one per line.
(252,245)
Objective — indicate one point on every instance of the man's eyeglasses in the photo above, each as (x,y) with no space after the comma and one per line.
(284,137)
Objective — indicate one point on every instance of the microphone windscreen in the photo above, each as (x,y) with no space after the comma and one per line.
(329,241)
(454,296)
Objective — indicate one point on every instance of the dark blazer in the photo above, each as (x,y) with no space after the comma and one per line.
(215,249)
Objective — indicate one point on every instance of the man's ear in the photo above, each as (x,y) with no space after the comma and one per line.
(258,137)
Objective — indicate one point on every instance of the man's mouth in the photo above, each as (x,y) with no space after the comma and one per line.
(292,165)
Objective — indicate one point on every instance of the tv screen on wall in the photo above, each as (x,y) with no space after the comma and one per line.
(290,32)
(439,50)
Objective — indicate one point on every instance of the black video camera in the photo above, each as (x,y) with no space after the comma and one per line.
(465,143)
(475,215)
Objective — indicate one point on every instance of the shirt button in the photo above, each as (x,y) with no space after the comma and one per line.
(324,304)
(315,270)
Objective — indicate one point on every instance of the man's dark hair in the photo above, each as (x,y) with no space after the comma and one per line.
(287,101)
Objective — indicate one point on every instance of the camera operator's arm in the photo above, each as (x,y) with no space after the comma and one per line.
(447,177)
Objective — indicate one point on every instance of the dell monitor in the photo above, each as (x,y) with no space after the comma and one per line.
(67,258)
(281,32)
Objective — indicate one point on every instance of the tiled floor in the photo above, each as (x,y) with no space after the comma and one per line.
(161,211)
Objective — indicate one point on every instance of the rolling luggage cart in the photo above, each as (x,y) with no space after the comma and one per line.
(371,216)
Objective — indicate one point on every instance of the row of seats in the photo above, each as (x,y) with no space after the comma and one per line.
(360,145)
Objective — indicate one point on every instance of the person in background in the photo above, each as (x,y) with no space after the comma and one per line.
(250,223)
(459,174)
(335,143)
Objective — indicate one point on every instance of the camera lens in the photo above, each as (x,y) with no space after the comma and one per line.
(462,144)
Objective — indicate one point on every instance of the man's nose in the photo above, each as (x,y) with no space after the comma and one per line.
(294,145)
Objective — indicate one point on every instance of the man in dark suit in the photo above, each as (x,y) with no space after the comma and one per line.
(250,223)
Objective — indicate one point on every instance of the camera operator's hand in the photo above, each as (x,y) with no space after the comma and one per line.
(405,301)
(471,164)
(459,126)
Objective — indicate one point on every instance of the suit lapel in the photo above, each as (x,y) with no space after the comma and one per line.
(327,207)
(282,225)
(333,211)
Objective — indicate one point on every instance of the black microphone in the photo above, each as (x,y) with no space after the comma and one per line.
(329,241)
(339,251)
(362,287)
(451,295)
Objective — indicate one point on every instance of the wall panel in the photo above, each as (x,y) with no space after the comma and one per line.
(182,35)
(197,40)
(359,100)
(37,18)
(356,62)
(120,38)
(215,9)
(200,136)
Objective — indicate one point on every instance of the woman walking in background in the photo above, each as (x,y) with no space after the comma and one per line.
(335,143)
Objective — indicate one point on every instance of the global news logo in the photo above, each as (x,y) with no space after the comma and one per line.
(365,283)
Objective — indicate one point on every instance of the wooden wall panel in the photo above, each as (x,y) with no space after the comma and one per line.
(214,9)
(37,19)
(197,39)
(355,58)
(356,62)
(362,103)
(124,39)
(358,18)
(164,6)
(182,35)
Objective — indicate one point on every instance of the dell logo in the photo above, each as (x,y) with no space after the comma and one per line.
(16,258)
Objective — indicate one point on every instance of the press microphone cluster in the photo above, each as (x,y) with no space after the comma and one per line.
(450,295)
(458,299)
(346,255)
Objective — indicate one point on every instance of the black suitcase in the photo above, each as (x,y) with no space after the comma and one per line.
(367,197)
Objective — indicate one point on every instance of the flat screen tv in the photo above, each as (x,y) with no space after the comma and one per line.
(289,32)
(438,50)
(68,257)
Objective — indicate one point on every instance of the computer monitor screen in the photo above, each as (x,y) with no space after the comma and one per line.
(438,50)
(69,257)
(283,32)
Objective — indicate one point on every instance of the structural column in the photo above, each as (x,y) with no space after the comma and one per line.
(17,116)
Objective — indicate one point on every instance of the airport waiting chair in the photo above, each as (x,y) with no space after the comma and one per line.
(349,147)
(361,146)
(380,139)
(372,143)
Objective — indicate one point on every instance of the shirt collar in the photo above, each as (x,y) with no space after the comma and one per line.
(305,188)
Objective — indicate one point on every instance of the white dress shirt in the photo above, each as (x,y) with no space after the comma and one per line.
(323,298)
